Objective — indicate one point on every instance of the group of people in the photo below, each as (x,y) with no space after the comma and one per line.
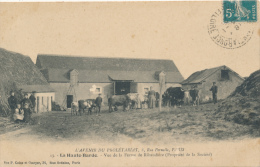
(194,93)
(21,110)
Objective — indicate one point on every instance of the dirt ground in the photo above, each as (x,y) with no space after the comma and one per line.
(188,123)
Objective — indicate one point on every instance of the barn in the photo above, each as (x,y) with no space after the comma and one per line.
(108,76)
(226,79)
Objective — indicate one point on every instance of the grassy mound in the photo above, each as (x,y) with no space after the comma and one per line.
(16,69)
(250,87)
(243,106)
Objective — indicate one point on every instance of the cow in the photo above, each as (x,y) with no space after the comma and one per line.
(173,96)
(133,100)
(88,104)
(74,108)
(137,100)
(194,93)
(119,100)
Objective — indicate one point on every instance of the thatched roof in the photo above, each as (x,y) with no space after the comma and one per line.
(250,87)
(16,69)
(36,88)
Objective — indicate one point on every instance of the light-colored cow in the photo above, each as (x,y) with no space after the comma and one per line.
(87,105)
(136,100)
(74,108)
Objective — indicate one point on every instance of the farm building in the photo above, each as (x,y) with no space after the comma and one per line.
(107,76)
(226,79)
(16,70)
(44,95)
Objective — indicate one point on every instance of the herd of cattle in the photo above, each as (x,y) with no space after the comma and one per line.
(172,96)
(128,101)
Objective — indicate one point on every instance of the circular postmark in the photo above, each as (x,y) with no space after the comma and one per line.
(229,35)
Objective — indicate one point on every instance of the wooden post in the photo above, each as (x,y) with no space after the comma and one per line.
(114,87)
(162,85)
(160,99)
(39,104)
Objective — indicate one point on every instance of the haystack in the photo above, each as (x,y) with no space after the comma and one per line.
(16,69)
(243,106)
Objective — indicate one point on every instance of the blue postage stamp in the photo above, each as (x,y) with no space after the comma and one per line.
(240,10)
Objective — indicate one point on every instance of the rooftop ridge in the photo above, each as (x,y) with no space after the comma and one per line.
(79,56)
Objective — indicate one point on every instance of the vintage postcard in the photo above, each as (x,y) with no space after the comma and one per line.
(169,83)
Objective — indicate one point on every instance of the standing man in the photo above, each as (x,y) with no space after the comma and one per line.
(214,90)
(151,98)
(26,101)
(12,101)
(33,100)
(98,103)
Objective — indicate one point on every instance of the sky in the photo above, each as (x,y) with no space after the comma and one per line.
(157,30)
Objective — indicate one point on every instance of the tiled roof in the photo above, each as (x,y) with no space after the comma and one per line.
(92,76)
(199,76)
(103,64)
(56,69)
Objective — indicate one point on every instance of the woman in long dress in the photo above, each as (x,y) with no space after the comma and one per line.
(27,113)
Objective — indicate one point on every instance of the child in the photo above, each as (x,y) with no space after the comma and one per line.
(27,113)
(18,114)
(89,107)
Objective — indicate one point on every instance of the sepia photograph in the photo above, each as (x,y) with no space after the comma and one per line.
(144,83)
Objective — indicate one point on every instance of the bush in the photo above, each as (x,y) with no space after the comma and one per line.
(55,106)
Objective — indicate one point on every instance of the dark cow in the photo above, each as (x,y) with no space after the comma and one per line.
(86,105)
(119,100)
(194,93)
(173,96)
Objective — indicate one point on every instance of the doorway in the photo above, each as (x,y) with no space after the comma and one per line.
(69,100)
(122,88)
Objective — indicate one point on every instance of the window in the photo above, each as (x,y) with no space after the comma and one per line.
(98,90)
(224,75)
(146,90)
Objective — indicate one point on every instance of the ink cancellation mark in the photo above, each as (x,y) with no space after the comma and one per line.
(228,35)
(240,11)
